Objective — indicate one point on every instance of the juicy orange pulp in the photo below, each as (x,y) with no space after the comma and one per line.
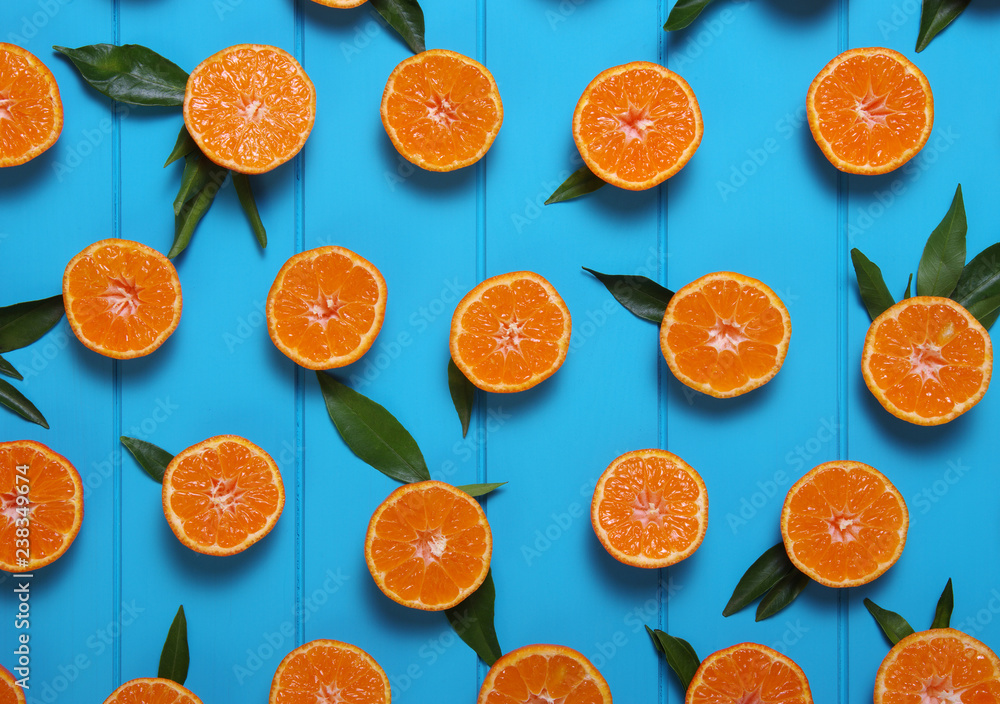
(748,673)
(149,690)
(329,671)
(31,112)
(544,673)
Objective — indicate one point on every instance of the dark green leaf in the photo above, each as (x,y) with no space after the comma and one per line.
(194,178)
(945,605)
(763,574)
(986,311)
(194,210)
(684,13)
(580,183)
(23,323)
(184,146)
(893,625)
(944,254)
(909,283)
(372,433)
(245,194)
(781,595)
(980,282)
(7,369)
(874,293)
(479,489)
(152,459)
(473,621)
(130,73)
(935,16)
(174,657)
(642,296)
(406,17)
(15,401)
(679,654)
(463,394)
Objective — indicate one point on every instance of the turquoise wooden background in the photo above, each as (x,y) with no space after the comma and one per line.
(757,198)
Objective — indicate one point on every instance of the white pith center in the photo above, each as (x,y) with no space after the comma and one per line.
(634,123)
(544,697)
(872,109)
(430,545)
(441,111)
(926,361)
(9,508)
(5,102)
(509,337)
(325,309)
(225,495)
(122,297)
(844,526)
(726,335)
(750,698)
(940,690)
(648,508)
(330,694)
(253,109)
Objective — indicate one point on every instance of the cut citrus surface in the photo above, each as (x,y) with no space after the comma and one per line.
(152,690)
(41,505)
(122,298)
(748,672)
(927,360)
(510,332)
(650,509)
(940,665)
(222,495)
(725,334)
(329,671)
(10,691)
(544,673)
(31,112)
(441,110)
(870,110)
(428,545)
(250,107)
(326,307)
(637,125)
(844,523)
(343,4)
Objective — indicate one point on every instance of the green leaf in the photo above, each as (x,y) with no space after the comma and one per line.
(245,194)
(893,625)
(194,178)
(986,311)
(23,323)
(15,401)
(763,574)
(463,394)
(152,459)
(781,594)
(580,183)
(194,210)
(7,369)
(945,605)
(935,16)
(874,293)
(980,283)
(472,620)
(642,296)
(174,658)
(479,489)
(909,282)
(679,654)
(130,73)
(406,17)
(182,147)
(372,433)
(684,13)
(944,254)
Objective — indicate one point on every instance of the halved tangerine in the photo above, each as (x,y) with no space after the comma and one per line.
(31,111)
(10,690)
(544,673)
(747,673)
(650,509)
(329,671)
(152,690)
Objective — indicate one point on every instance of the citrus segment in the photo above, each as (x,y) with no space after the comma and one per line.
(326,307)
(844,524)
(510,332)
(222,495)
(152,690)
(940,665)
(637,125)
(725,334)
(250,107)
(342,4)
(41,505)
(428,546)
(10,691)
(329,671)
(650,509)
(927,360)
(31,112)
(870,110)
(544,673)
(441,110)
(748,673)
(122,298)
